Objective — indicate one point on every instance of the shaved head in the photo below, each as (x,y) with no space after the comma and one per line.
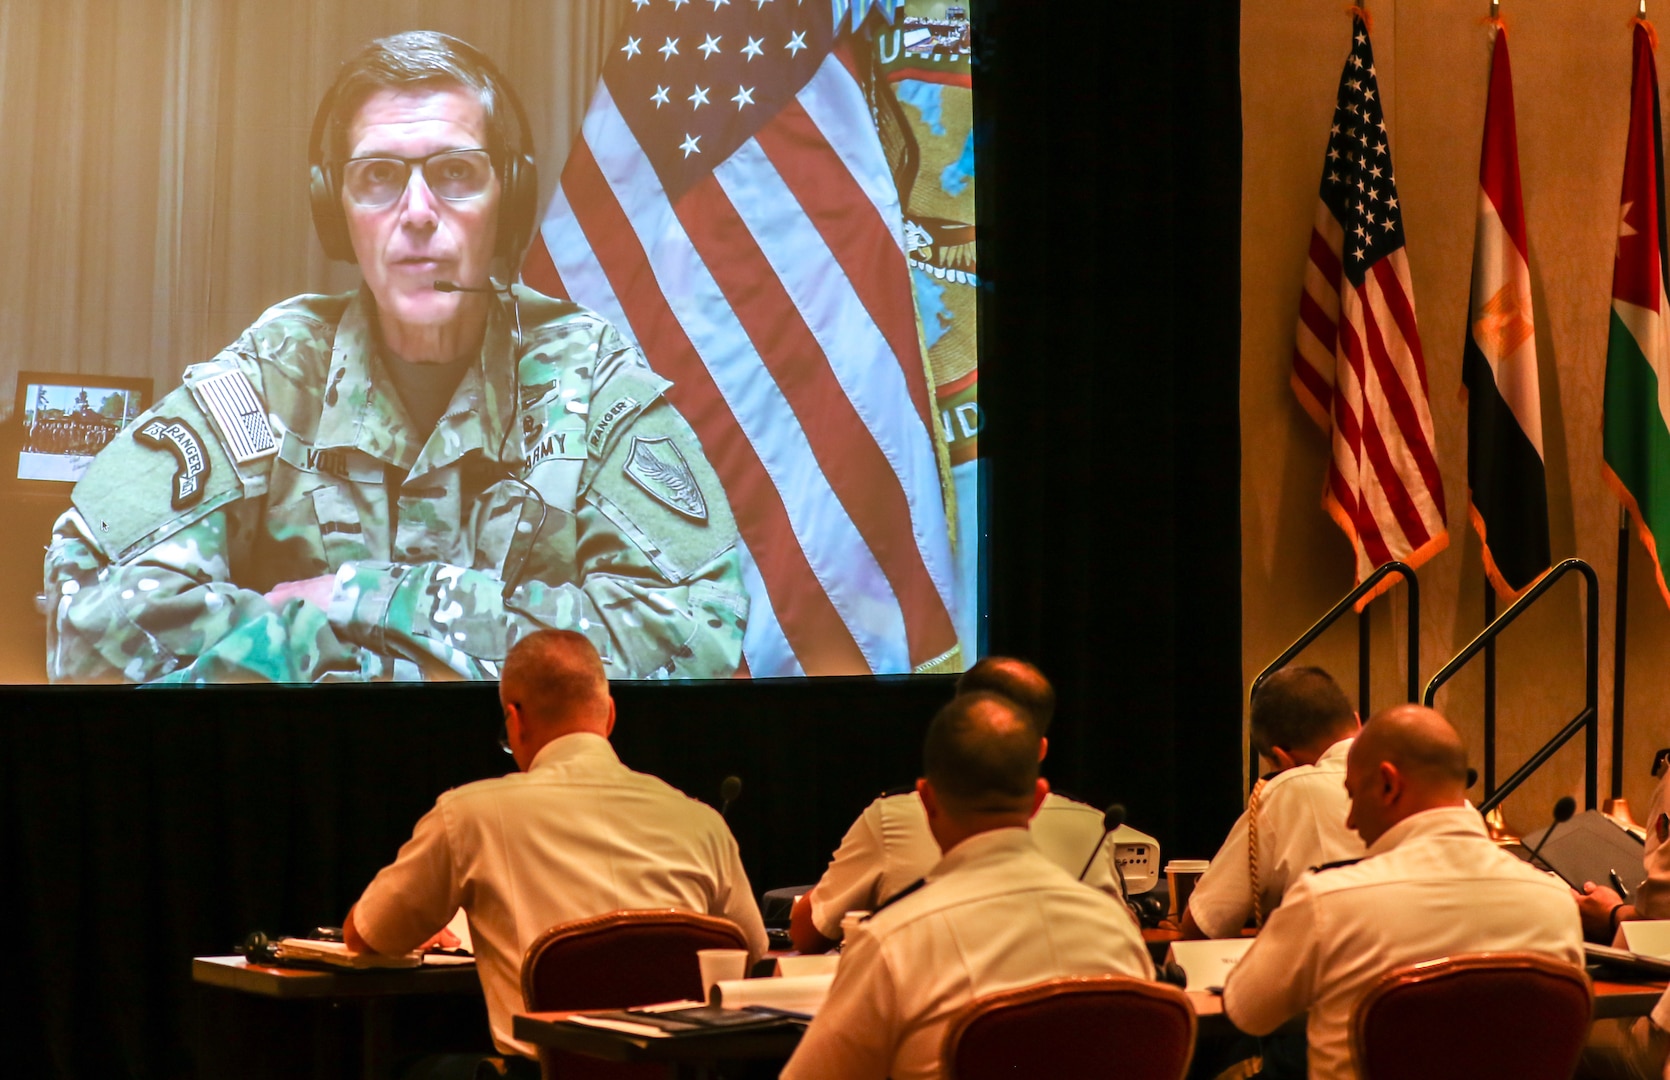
(1407,759)
(1016,680)
(556,679)
(1420,742)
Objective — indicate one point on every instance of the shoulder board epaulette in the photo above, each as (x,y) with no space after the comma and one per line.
(902,789)
(896,897)
(1334,865)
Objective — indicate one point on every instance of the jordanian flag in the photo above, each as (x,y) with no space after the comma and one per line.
(1637,435)
(1505,476)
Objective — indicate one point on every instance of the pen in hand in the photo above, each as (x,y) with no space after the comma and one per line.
(1618,884)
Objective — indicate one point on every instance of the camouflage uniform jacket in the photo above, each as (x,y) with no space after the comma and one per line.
(561,490)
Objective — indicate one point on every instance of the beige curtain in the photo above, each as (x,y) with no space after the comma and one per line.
(155,159)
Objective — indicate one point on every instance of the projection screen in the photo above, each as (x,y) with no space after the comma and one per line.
(666,336)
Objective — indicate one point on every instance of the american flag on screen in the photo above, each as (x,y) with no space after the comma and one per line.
(728,207)
(1357,364)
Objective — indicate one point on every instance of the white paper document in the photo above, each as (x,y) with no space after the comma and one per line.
(1649,937)
(1208,963)
(802,994)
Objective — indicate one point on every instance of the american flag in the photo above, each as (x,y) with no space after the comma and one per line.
(1357,364)
(729,208)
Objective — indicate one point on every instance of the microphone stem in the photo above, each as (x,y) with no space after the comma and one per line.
(1534,857)
(1097,851)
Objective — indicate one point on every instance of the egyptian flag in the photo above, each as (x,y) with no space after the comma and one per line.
(1637,435)
(1506,481)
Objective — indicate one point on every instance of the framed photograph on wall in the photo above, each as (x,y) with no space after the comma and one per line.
(61,420)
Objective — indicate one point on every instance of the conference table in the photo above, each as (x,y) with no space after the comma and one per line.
(373,993)
(694,1058)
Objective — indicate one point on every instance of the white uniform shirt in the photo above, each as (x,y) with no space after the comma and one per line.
(1301,824)
(1652,899)
(889,848)
(995,913)
(1433,886)
(578,834)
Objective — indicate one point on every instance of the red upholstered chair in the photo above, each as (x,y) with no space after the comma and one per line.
(614,961)
(1074,1028)
(1515,1014)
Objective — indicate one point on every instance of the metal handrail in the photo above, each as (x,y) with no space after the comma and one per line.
(1589,717)
(1345,604)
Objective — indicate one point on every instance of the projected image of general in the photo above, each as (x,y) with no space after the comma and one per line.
(706,395)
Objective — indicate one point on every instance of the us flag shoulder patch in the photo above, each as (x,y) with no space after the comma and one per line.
(239,416)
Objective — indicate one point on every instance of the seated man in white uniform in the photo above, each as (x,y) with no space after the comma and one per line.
(1602,908)
(994,913)
(1432,885)
(574,834)
(1302,724)
(889,846)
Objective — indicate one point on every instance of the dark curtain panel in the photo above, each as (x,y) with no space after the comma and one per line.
(143,827)
(1111,239)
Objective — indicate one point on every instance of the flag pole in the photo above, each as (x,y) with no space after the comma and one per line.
(1489,693)
(1364,710)
(1620,632)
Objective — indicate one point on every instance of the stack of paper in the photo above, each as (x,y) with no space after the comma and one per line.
(336,954)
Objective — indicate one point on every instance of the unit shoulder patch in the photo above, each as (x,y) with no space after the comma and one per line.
(192,462)
(658,467)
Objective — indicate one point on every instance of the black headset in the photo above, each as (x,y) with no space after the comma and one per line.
(518,178)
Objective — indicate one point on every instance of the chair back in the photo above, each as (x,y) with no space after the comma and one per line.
(1515,1014)
(1073,1028)
(615,961)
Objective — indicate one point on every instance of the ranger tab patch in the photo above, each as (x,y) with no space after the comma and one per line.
(231,402)
(173,434)
(657,466)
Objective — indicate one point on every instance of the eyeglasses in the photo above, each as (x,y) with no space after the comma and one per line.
(454,175)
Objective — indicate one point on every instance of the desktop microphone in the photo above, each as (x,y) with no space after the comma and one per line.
(729,789)
(1112,818)
(1564,808)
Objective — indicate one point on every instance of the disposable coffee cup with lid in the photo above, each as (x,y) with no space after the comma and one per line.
(1181,876)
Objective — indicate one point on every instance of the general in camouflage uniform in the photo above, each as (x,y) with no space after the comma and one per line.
(281,517)
(561,489)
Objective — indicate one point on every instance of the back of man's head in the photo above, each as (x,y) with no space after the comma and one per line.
(1300,708)
(1408,759)
(1016,680)
(981,758)
(556,679)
